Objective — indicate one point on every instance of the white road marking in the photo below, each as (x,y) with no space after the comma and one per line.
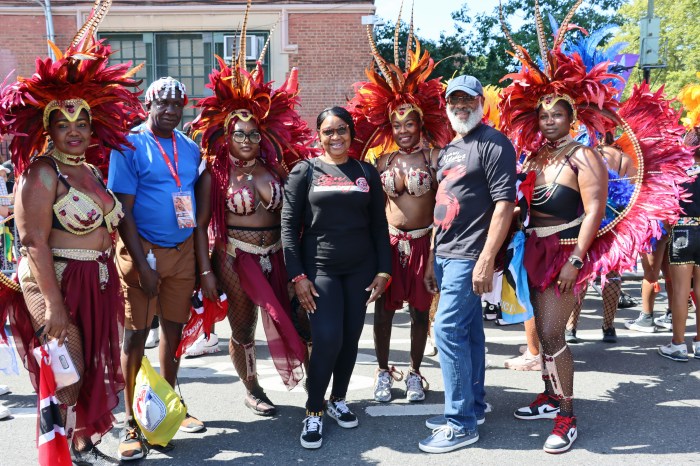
(405,409)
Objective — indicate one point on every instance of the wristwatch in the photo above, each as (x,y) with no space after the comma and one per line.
(576,261)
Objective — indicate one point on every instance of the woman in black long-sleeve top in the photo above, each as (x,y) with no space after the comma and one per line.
(336,248)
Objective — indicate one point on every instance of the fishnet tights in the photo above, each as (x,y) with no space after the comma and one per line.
(551,312)
(242,312)
(68,396)
(611,297)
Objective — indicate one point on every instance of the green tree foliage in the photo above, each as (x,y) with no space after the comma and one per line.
(680,40)
(487,47)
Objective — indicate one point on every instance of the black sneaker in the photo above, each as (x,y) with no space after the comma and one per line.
(609,335)
(625,301)
(90,456)
(570,336)
(490,312)
(666,321)
(312,433)
(338,410)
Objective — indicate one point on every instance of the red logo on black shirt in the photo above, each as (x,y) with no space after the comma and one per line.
(446,204)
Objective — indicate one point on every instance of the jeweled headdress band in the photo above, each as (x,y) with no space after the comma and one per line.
(70,108)
(402,111)
(548,101)
(242,114)
(167,85)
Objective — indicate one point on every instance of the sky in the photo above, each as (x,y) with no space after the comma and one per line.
(430,17)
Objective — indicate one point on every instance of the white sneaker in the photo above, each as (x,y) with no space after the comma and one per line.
(153,338)
(203,346)
(4,389)
(4,412)
(415,391)
(696,349)
(383,381)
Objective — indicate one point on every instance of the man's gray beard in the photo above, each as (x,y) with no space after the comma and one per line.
(464,127)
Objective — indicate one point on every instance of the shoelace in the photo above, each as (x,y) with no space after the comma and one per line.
(383,381)
(562,425)
(415,381)
(313,423)
(447,429)
(341,406)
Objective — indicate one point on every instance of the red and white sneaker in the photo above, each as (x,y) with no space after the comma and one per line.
(563,435)
(544,407)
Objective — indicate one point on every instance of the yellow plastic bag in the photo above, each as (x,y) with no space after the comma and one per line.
(157,409)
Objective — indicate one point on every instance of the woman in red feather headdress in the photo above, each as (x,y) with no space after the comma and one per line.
(401,115)
(567,244)
(66,219)
(251,137)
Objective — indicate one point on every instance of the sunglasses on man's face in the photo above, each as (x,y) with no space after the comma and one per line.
(240,136)
(461,99)
(341,131)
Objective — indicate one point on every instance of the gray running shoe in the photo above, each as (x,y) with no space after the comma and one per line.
(674,352)
(415,391)
(643,323)
(570,336)
(665,322)
(383,381)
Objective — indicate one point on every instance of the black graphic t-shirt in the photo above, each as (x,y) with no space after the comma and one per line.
(691,206)
(474,173)
(340,218)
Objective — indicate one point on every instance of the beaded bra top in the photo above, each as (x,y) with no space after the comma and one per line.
(417,182)
(78,214)
(245,200)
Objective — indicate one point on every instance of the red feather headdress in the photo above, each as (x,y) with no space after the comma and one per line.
(81,76)
(563,77)
(239,94)
(391,90)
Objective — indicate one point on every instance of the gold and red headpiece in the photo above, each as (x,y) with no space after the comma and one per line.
(78,79)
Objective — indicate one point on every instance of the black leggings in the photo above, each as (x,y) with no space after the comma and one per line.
(335,332)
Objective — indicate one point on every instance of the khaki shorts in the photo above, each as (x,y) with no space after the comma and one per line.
(176,267)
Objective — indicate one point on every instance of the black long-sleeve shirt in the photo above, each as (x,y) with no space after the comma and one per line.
(336,225)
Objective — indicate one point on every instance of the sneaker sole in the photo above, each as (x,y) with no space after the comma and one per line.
(191,430)
(671,357)
(382,400)
(429,449)
(551,415)
(415,399)
(528,367)
(641,329)
(311,445)
(343,424)
(203,352)
(137,456)
(562,449)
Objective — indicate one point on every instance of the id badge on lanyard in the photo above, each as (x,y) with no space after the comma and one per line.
(182,201)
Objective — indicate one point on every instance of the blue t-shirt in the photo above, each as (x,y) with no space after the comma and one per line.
(144,174)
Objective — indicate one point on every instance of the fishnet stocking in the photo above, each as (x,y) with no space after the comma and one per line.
(611,298)
(68,396)
(242,312)
(551,312)
(572,323)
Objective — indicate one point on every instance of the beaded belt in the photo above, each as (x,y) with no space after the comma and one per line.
(688,221)
(543,232)
(84,255)
(264,252)
(405,237)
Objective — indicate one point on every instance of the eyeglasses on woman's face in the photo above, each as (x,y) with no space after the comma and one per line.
(240,136)
(341,131)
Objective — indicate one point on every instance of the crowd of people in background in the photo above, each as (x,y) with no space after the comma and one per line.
(406,194)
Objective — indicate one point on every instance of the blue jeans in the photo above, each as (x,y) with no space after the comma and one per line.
(459,335)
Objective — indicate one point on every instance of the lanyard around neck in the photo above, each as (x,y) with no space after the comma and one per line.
(173,170)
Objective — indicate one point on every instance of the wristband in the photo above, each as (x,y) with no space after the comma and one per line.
(299,278)
(384,275)
(206,272)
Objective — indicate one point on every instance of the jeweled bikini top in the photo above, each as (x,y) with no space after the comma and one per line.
(416,182)
(244,201)
(78,214)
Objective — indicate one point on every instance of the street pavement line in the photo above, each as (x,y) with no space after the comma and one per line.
(405,410)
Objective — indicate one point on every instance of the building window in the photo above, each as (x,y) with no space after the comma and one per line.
(187,57)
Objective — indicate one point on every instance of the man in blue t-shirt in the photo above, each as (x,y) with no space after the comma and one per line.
(155,253)
(473,211)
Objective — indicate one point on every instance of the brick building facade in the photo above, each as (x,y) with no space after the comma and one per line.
(324,39)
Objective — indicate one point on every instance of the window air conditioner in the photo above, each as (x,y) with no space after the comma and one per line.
(252,46)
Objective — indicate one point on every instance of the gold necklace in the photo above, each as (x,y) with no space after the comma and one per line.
(68,159)
(249,175)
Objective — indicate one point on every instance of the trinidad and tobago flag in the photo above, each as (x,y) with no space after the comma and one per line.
(51,436)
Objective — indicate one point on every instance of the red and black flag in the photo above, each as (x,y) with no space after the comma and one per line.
(51,436)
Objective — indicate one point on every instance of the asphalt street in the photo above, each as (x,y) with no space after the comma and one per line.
(633,406)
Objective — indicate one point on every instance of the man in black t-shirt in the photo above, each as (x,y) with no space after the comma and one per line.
(473,211)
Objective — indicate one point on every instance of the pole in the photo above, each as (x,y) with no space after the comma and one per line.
(646,70)
(48,17)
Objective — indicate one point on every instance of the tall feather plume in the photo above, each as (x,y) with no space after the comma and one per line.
(242,41)
(267,43)
(378,59)
(81,32)
(100,9)
(509,38)
(409,41)
(397,29)
(565,24)
(541,39)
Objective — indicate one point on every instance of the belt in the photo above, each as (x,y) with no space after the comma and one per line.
(405,237)
(543,232)
(263,252)
(83,255)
